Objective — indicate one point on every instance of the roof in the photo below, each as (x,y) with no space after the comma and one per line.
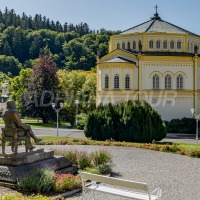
(158,53)
(118,59)
(157,25)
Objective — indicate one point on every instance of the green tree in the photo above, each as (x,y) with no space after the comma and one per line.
(6,49)
(9,64)
(77,85)
(43,86)
(18,89)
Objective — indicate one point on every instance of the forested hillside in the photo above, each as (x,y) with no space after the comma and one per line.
(25,38)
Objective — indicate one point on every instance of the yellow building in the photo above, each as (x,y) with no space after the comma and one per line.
(155,61)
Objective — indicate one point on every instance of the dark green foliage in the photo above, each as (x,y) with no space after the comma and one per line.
(39,181)
(9,65)
(131,121)
(184,125)
(72,46)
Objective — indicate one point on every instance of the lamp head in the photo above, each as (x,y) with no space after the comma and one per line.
(53,105)
(77,102)
(192,111)
(61,105)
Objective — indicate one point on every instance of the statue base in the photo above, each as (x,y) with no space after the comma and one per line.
(15,167)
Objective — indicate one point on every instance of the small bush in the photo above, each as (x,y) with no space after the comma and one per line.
(101,157)
(104,169)
(72,155)
(40,181)
(170,148)
(81,119)
(66,182)
(195,153)
(92,170)
(84,161)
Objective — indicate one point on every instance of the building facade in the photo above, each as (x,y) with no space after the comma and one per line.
(157,62)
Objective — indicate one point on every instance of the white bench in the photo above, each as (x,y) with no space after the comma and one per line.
(139,190)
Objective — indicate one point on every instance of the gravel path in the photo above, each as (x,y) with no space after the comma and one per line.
(178,176)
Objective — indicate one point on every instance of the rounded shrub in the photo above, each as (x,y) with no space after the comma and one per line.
(131,121)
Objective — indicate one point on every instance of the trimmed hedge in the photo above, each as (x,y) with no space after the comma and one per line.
(184,125)
(131,121)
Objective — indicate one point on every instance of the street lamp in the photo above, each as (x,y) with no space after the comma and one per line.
(76,102)
(196,116)
(57,109)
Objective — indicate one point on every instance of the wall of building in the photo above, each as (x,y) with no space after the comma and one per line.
(171,106)
(149,69)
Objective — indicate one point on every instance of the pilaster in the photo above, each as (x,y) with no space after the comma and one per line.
(196,83)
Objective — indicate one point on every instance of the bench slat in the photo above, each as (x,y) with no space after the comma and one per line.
(115,181)
(120,192)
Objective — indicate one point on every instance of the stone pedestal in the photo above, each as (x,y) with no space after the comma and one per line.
(14,167)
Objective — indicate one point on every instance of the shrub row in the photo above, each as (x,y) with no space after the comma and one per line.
(131,121)
(184,125)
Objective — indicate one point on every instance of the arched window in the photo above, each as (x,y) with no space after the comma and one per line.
(151,44)
(168,82)
(158,44)
(165,44)
(134,45)
(179,82)
(127,82)
(116,81)
(156,82)
(172,44)
(106,81)
(123,45)
(118,45)
(128,45)
(179,45)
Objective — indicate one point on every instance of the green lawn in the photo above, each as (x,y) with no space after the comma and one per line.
(74,141)
(35,124)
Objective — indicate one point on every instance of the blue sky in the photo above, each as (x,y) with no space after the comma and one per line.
(111,14)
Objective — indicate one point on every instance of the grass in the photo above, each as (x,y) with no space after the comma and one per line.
(192,150)
(83,141)
(34,123)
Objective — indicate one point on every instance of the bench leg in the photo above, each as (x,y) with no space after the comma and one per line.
(15,147)
(3,147)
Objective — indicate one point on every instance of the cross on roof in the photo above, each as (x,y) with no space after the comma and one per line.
(156,9)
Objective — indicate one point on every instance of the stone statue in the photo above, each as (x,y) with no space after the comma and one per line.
(5,90)
(12,121)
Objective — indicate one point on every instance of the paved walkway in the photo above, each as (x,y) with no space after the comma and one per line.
(178,176)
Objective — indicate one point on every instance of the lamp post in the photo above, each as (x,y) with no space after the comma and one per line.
(57,109)
(76,103)
(196,116)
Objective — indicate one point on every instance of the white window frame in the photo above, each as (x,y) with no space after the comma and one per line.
(156,82)
(127,82)
(116,81)
(106,82)
(168,82)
